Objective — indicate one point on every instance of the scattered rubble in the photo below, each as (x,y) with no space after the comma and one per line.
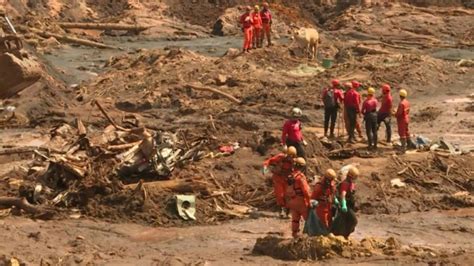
(135,146)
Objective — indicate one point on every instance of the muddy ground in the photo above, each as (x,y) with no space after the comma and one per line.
(81,242)
(149,84)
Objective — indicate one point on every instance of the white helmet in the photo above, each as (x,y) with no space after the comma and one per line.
(296,112)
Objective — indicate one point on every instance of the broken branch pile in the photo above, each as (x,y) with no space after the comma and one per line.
(435,181)
(97,169)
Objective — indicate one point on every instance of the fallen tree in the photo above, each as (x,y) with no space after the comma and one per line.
(102,26)
(69,39)
(226,95)
(20,203)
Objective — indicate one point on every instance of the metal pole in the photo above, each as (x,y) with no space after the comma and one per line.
(10,24)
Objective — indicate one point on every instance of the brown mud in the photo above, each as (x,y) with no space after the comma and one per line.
(151,85)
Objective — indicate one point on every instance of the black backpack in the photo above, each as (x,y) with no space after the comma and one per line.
(329,99)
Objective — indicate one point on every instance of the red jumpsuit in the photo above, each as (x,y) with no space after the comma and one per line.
(257,28)
(324,194)
(298,197)
(266,16)
(246,21)
(292,136)
(352,101)
(281,166)
(403,119)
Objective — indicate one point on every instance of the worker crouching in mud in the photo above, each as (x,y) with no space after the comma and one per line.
(281,167)
(291,133)
(298,195)
(345,222)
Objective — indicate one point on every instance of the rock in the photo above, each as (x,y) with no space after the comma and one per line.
(232,82)
(465,63)
(232,52)
(393,243)
(228,23)
(221,80)
(397,183)
(51,43)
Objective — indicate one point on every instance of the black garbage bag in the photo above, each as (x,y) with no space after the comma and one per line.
(344,223)
(313,225)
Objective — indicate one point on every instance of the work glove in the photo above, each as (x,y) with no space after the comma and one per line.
(336,201)
(343,205)
(285,148)
(313,203)
(264,170)
(305,143)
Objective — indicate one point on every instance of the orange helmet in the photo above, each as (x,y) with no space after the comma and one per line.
(335,82)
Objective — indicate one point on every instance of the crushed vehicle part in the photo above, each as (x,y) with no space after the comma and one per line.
(186,206)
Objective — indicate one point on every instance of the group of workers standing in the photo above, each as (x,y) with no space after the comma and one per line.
(256,25)
(291,189)
(347,98)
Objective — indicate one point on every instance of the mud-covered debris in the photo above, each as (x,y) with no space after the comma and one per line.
(321,247)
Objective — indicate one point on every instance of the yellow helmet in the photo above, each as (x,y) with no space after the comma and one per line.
(330,173)
(291,151)
(300,161)
(370,91)
(353,172)
(256,8)
(403,93)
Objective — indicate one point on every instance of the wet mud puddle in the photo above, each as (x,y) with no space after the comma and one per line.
(77,64)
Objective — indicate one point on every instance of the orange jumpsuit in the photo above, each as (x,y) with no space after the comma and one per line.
(281,166)
(246,21)
(257,28)
(324,193)
(402,119)
(298,196)
(266,16)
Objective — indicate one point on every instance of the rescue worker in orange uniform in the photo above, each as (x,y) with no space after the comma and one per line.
(356,85)
(281,167)
(257,27)
(402,115)
(369,110)
(384,112)
(246,21)
(266,16)
(323,197)
(298,195)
